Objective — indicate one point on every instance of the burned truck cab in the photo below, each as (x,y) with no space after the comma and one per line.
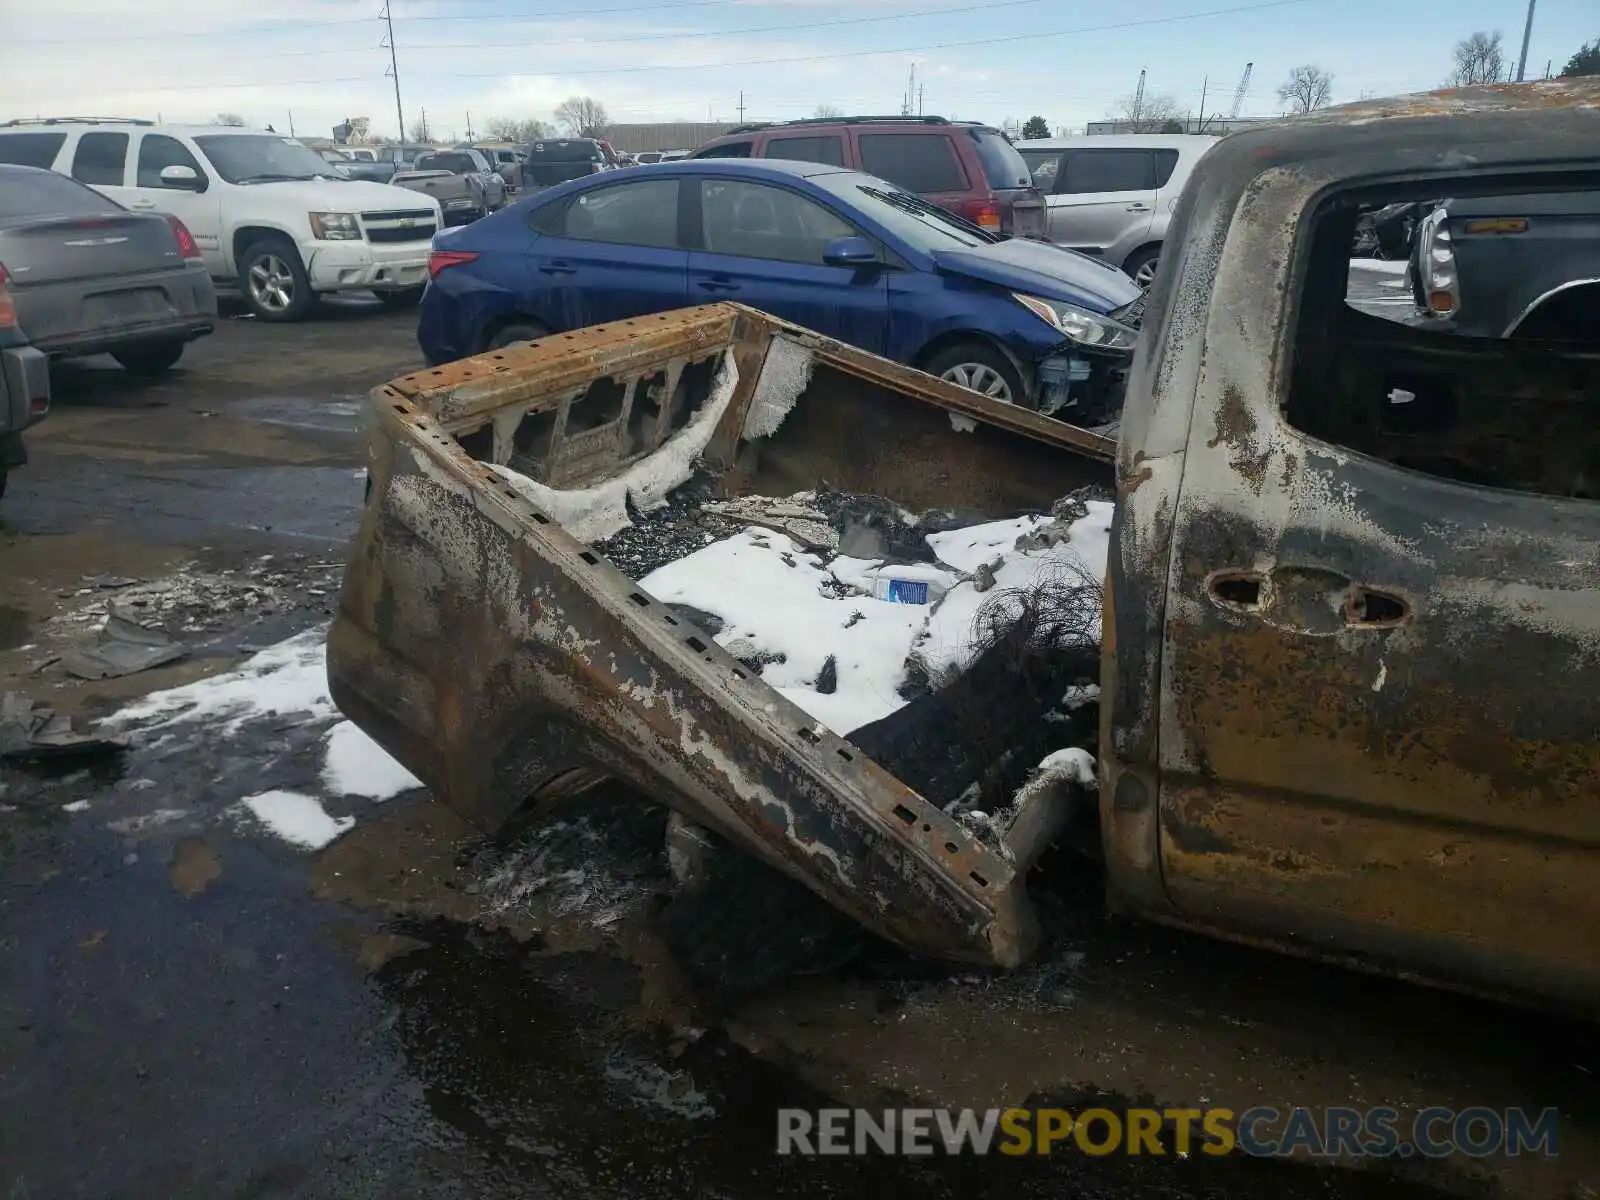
(1352,630)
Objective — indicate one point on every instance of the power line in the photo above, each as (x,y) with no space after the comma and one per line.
(960,45)
(794,58)
(658,37)
(285,27)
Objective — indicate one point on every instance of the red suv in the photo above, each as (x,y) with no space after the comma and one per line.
(968,168)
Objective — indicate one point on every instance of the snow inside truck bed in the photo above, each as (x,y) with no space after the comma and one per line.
(775,541)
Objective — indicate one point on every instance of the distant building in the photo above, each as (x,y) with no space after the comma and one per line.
(666,135)
(1216,125)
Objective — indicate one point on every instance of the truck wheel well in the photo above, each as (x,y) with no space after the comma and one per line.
(1568,315)
(249,235)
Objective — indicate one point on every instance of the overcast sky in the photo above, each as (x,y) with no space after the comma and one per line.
(321,60)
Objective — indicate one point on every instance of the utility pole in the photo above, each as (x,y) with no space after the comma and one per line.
(291,122)
(1205,85)
(394,70)
(921,87)
(469,125)
(741,106)
(1527,32)
(425,130)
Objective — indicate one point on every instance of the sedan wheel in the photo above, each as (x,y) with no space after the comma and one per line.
(1146,274)
(980,377)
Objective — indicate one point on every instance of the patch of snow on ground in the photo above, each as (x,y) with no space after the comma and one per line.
(357,766)
(288,679)
(1379,266)
(298,819)
(774,598)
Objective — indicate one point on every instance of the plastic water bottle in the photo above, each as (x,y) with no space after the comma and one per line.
(900,591)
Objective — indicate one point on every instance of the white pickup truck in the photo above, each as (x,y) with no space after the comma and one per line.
(271,218)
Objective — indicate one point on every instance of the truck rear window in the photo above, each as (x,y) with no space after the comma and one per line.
(1002,165)
(580,151)
(30,149)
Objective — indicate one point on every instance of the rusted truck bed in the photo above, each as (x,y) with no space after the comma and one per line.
(507,663)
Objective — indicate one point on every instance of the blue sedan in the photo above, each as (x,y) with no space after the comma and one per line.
(846,254)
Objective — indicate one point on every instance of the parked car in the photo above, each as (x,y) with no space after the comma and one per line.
(507,162)
(469,189)
(1511,266)
(1113,196)
(403,157)
(970,169)
(844,253)
(347,164)
(674,155)
(270,217)
(1385,232)
(79,275)
(556,160)
(646,158)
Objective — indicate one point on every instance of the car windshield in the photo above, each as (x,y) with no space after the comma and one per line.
(908,216)
(262,158)
(44,193)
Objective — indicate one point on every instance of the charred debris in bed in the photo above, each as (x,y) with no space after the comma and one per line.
(968,742)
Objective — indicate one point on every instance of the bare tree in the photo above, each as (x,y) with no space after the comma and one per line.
(1149,114)
(1478,59)
(1307,89)
(509,129)
(1012,128)
(228,119)
(421,131)
(582,116)
(828,111)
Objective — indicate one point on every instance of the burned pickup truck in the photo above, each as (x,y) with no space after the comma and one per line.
(1351,605)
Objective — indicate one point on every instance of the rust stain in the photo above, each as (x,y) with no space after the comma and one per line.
(1236,428)
(194,866)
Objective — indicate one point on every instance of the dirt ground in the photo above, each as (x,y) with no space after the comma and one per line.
(189,1007)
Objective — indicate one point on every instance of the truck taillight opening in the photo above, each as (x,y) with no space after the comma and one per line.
(985,214)
(439,260)
(186,243)
(8,306)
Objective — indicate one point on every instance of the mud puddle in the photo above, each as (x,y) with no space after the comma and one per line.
(534,1060)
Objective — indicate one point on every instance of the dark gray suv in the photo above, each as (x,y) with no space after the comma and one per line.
(1511,266)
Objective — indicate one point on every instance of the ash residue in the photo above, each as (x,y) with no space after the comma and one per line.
(975,740)
(600,860)
(663,535)
(191,601)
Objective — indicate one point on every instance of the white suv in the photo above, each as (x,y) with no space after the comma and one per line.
(271,218)
(1113,196)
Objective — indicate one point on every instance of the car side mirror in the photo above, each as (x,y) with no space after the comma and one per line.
(851,252)
(181,177)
